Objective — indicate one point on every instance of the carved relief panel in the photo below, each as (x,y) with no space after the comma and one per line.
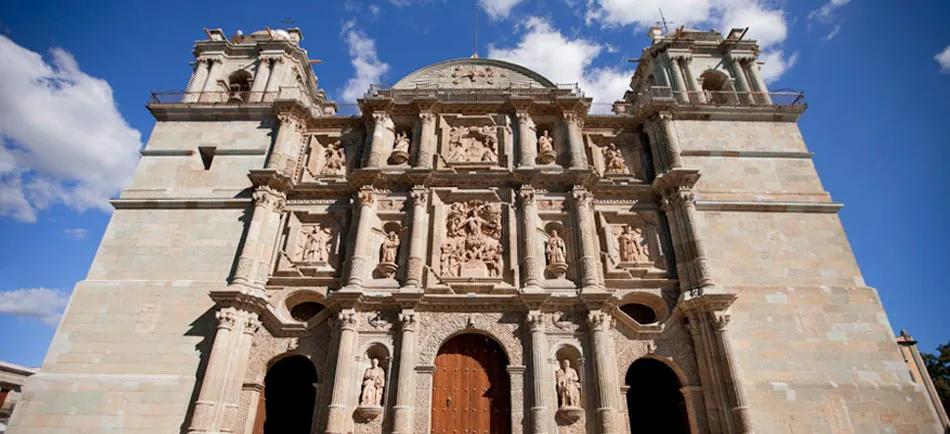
(331,155)
(634,243)
(475,141)
(312,239)
(472,241)
(616,156)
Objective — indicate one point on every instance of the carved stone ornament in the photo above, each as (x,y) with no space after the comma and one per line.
(473,248)
(400,153)
(568,385)
(546,154)
(387,255)
(556,252)
(613,161)
(371,396)
(633,246)
(334,159)
(475,144)
(316,245)
(377,321)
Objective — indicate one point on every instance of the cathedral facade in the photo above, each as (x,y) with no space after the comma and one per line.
(476,250)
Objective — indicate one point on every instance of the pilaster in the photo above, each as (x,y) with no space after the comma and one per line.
(417,238)
(427,140)
(605,370)
(527,140)
(531,263)
(337,415)
(367,215)
(539,420)
(283,158)
(575,137)
(406,389)
(377,143)
(587,239)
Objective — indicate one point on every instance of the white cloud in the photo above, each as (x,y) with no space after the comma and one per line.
(498,9)
(62,139)
(77,233)
(776,64)
(943,59)
(834,32)
(369,69)
(44,304)
(545,50)
(826,12)
(374,11)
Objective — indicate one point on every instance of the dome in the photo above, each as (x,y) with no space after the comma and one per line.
(277,34)
(473,73)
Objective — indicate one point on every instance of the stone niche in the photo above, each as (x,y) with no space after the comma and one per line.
(330,156)
(311,244)
(472,242)
(557,132)
(475,142)
(388,245)
(556,229)
(616,156)
(633,243)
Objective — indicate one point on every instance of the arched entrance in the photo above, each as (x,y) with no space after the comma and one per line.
(654,401)
(289,395)
(471,391)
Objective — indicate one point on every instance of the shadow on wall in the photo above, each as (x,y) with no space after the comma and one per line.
(204,326)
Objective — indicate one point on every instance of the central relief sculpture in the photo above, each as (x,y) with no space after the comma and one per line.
(473,246)
(475,144)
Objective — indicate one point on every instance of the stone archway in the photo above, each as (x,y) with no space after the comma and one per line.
(471,390)
(288,399)
(655,402)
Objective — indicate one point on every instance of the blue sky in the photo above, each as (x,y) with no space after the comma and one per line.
(74,78)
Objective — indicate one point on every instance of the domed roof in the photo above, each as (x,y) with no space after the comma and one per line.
(473,73)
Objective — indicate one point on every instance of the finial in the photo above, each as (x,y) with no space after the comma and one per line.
(475,53)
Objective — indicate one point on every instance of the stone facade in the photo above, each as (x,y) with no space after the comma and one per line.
(685,231)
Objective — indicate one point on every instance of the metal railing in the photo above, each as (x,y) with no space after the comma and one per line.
(666,95)
(480,94)
(348,110)
(619,108)
(233,98)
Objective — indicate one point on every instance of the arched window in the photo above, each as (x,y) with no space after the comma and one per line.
(717,88)
(239,85)
(654,401)
(289,396)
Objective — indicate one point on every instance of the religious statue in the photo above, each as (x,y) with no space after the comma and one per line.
(400,149)
(373,380)
(613,160)
(556,249)
(334,159)
(568,386)
(546,148)
(473,241)
(631,249)
(473,144)
(390,247)
(316,247)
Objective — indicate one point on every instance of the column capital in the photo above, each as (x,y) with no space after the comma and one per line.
(535,321)
(291,118)
(366,196)
(380,116)
(582,197)
(252,324)
(720,320)
(227,317)
(347,320)
(573,117)
(599,321)
(665,116)
(267,197)
(407,320)
(527,194)
(523,116)
(424,116)
(419,195)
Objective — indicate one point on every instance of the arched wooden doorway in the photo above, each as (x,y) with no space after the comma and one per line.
(471,391)
(288,398)
(654,401)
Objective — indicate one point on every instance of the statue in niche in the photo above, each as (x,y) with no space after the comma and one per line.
(373,380)
(334,159)
(473,144)
(390,247)
(546,152)
(568,386)
(317,245)
(613,160)
(473,240)
(556,249)
(400,149)
(632,248)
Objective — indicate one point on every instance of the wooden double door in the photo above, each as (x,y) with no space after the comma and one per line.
(471,393)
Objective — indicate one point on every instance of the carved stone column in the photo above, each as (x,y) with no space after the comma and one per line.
(742,85)
(575,138)
(531,264)
(678,201)
(276,74)
(661,72)
(539,421)
(706,362)
(587,238)
(198,80)
(241,360)
(605,371)
(417,238)
(261,76)
(377,144)
(693,395)
(367,215)
(526,140)
(672,140)
(740,413)
(283,156)
(215,409)
(213,74)
(336,418)
(696,93)
(406,389)
(679,87)
(427,140)
(267,203)
(763,91)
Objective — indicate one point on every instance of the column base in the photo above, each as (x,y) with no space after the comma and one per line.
(538,422)
(402,419)
(741,417)
(606,417)
(335,419)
